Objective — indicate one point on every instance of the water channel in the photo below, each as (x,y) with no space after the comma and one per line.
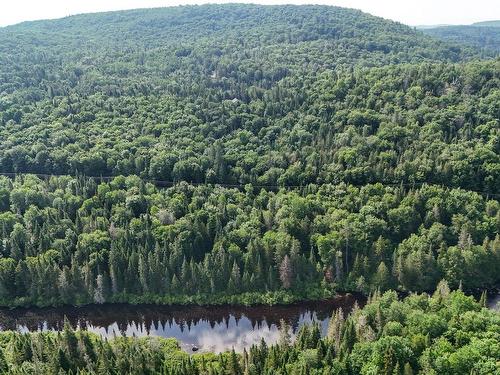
(207,328)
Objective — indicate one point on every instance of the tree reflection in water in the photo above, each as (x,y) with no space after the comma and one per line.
(210,328)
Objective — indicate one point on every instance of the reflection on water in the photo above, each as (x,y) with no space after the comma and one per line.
(494,302)
(210,328)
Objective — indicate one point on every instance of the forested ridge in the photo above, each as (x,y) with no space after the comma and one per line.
(409,123)
(448,333)
(483,36)
(238,94)
(365,156)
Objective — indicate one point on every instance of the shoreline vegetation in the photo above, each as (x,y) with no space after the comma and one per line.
(270,298)
(249,299)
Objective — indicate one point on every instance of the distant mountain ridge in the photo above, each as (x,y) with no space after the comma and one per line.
(493,23)
(484,36)
(423,27)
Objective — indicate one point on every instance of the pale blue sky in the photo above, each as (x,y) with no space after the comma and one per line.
(411,12)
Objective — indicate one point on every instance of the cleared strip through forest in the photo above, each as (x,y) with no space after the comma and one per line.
(163,183)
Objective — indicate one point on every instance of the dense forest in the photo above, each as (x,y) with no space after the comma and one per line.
(484,36)
(246,94)
(243,154)
(448,333)
(76,240)
(434,123)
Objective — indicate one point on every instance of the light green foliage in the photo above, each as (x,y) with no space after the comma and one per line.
(484,37)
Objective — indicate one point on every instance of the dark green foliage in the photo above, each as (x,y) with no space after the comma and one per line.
(245,94)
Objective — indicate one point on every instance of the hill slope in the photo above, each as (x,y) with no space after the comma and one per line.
(483,36)
(87,52)
(487,23)
(216,93)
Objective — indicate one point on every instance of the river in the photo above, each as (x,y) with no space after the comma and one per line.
(207,328)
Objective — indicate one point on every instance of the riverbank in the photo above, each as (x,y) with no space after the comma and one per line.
(268,298)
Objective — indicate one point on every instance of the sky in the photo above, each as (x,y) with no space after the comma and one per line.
(410,12)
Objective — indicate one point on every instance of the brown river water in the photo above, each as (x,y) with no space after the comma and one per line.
(207,328)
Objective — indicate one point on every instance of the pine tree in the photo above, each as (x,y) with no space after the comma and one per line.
(483,300)
(3,363)
(271,278)
(314,336)
(70,342)
(233,364)
(336,327)
(64,285)
(234,284)
(382,277)
(175,285)
(143,274)
(348,338)
(380,247)
(465,239)
(357,268)
(339,267)
(442,291)
(186,276)
(408,369)
(285,338)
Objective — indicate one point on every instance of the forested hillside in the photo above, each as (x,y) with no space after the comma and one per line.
(483,36)
(306,150)
(448,333)
(492,23)
(409,123)
(230,94)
